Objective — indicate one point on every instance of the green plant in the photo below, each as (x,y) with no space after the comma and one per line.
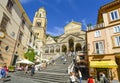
(30,55)
(11,68)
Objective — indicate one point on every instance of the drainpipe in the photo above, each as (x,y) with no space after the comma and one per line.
(13,54)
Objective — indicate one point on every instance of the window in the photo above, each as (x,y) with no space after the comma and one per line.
(9,5)
(117,29)
(99,47)
(7,48)
(39,24)
(30,34)
(20,36)
(4,22)
(97,33)
(114,15)
(22,22)
(47,50)
(82,57)
(40,15)
(12,34)
(117,41)
(0,42)
(18,44)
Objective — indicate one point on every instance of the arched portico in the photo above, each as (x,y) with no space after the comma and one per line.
(78,47)
(57,48)
(46,50)
(51,49)
(71,45)
(64,48)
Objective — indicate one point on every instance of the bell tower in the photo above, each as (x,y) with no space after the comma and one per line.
(39,25)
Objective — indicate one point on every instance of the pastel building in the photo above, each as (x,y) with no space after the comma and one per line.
(15,30)
(103,42)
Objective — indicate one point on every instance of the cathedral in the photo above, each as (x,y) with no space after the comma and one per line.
(73,40)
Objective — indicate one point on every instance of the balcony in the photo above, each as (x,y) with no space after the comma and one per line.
(93,27)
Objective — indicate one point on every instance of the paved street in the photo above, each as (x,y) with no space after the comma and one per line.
(56,73)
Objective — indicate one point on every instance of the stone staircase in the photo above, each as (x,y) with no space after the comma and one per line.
(54,73)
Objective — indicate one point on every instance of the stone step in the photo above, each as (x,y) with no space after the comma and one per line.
(56,73)
(46,77)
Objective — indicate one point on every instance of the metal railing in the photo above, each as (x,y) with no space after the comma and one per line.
(70,68)
(92,27)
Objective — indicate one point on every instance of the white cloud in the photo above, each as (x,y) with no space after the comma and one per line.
(25,1)
(84,22)
(57,31)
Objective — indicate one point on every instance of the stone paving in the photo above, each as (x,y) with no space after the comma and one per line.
(56,73)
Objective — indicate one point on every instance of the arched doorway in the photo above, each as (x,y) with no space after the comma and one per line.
(46,50)
(78,47)
(57,48)
(71,45)
(64,48)
(51,49)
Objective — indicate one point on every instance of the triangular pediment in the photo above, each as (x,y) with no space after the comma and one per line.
(72,27)
(50,40)
(66,38)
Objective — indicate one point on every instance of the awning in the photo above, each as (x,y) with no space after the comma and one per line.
(103,64)
(25,61)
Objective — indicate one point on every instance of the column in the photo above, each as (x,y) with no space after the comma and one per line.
(74,47)
(60,48)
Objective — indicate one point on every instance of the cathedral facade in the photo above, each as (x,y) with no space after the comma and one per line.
(72,41)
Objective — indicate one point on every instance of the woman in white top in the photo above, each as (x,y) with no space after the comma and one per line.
(72,77)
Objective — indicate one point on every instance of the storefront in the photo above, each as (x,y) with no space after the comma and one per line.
(118,63)
(109,68)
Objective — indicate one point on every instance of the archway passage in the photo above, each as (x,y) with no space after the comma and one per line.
(46,50)
(64,48)
(51,49)
(58,49)
(71,45)
(78,47)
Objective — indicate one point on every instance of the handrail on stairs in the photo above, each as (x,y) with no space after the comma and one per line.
(71,67)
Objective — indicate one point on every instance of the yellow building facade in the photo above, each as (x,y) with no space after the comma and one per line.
(103,42)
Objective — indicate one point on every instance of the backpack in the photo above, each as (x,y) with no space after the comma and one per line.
(3,72)
(106,80)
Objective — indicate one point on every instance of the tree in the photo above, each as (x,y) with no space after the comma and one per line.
(30,55)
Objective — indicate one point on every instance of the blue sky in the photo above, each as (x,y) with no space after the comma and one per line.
(61,12)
